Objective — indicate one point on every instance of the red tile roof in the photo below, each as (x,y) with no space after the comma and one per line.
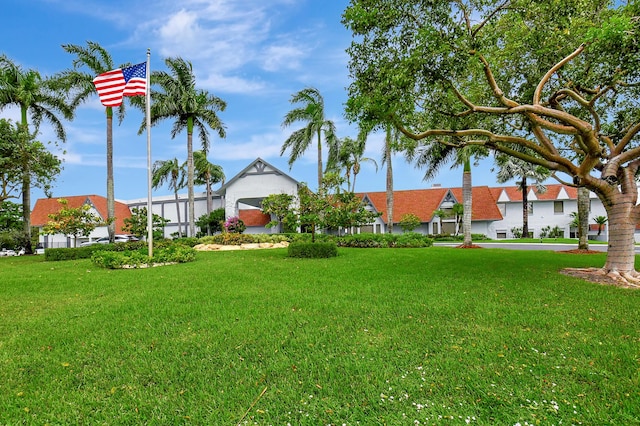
(45,206)
(254,217)
(424,202)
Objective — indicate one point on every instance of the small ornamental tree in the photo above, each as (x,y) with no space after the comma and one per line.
(409,222)
(211,223)
(346,210)
(72,221)
(280,206)
(137,223)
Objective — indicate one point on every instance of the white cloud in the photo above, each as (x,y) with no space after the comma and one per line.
(231,84)
(279,57)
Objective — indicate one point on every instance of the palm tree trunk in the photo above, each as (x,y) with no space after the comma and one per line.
(467,204)
(389,183)
(209,195)
(190,173)
(583,218)
(111,208)
(319,159)
(525,208)
(175,193)
(26,187)
(26,210)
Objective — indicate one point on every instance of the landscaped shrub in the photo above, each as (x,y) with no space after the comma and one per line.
(367,240)
(237,239)
(187,241)
(413,240)
(313,250)
(176,253)
(119,259)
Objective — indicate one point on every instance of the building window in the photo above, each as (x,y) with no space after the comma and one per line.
(558,207)
(503,208)
(501,235)
(435,228)
(530,209)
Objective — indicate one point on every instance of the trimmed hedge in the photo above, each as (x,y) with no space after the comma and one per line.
(406,240)
(313,250)
(55,254)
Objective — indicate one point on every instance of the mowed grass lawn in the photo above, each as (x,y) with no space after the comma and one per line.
(372,337)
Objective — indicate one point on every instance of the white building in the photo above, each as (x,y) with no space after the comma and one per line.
(497,211)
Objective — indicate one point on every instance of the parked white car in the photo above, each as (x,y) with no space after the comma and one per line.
(5,252)
(105,240)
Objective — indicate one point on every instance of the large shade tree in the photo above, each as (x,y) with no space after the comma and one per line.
(310,111)
(90,61)
(561,79)
(174,96)
(38,100)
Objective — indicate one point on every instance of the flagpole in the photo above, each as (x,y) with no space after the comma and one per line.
(148,122)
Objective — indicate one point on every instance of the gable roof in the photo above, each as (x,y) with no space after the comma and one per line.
(46,206)
(256,167)
(554,192)
(424,202)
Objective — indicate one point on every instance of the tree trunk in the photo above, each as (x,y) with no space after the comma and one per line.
(387,153)
(319,160)
(175,193)
(209,195)
(26,210)
(26,186)
(190,173)
(111,208)
(583,218)
(467,203)
(525,208)
(621,251)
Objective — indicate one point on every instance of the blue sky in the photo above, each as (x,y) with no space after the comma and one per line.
(254,54)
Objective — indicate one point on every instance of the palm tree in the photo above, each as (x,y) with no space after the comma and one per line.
(169,171)
(191,108)
(434,156)
(600,220)
(311,111)
(36,97)
(513,168)
(97,61)
(207,174)
(350,156)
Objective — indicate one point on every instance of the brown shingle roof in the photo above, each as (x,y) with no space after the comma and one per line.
(45,206)
(424,202)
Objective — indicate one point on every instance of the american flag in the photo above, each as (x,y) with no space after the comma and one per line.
(113,85)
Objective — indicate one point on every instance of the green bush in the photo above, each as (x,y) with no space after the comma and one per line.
(367,240)
(118,259)
(313,250)
(227,238)
(186,241)
(413,240)
(176,253)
